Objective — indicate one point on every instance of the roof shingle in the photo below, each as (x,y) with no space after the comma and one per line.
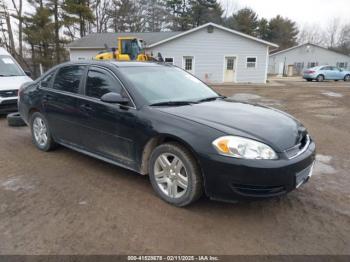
(98,40)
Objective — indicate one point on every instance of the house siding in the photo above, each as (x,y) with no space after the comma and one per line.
(305,56)
(209,50)
(83,54)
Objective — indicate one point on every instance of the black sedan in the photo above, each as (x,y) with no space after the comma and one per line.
(159,120)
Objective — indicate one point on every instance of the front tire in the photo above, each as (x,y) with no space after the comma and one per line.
(175,174)
(41,134)
(347,78)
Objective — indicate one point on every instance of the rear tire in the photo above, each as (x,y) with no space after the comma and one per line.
(15,119)
(309,80)
(41,134)
(320,78)
(347,78)
(175,175)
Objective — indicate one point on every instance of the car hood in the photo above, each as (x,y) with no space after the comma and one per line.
(270,126)
(13,82)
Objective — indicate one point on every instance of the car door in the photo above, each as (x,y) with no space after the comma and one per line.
(60,104)
(338,73)
(109,129)
(327,72)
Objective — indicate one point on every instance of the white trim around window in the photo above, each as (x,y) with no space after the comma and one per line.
(193,63)
(255,63)
(169,58)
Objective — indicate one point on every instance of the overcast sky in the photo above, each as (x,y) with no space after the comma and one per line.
(302,11)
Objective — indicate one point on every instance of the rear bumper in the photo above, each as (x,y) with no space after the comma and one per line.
(233,179)
(306,76)
(8,104)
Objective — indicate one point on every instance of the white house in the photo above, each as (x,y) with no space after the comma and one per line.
(212,52)
(305,56)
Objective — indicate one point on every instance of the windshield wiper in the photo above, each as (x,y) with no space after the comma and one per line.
(173,103)
(8,75)
(212,98)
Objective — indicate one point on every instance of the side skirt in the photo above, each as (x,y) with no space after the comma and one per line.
(97,156)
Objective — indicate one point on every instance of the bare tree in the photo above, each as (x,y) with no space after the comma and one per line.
(6,15)
(312,34)
(102,15)
(332,32)
(18,8)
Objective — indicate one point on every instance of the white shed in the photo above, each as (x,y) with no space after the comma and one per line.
(212,52)
(305,56)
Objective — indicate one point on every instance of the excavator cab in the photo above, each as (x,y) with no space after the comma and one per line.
(129,49)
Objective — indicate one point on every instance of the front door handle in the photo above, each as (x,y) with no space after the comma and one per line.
(86,107)
(46,98)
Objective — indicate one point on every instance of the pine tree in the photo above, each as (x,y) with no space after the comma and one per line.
(204,11)
(245,21)
(77,13)
(283,32)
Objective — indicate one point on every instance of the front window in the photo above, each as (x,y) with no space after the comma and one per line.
(100,82)
(251,62)
(164,84)
(9,67)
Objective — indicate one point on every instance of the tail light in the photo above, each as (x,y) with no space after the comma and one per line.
(310,71)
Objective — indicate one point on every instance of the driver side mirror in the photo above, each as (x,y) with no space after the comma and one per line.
(114,98)
(44,84)
(28,73)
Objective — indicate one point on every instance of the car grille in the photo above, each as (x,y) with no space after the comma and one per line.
(299,148)
(256,191)
(8,93)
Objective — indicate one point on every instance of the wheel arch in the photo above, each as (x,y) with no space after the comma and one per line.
(161,139)
(324,78)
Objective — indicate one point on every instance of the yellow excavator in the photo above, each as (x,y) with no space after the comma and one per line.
(129,49)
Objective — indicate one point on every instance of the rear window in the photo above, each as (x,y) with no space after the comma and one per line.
(68,78)
(9,67)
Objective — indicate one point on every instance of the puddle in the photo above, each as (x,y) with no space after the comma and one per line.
(332,94)
(245,97)
(323,166)
(15,184)
(83,203)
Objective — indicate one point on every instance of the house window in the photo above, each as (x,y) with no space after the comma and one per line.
(188,63)
(342,65)
(251,62)
(312,64)
(169,60)
(230,62)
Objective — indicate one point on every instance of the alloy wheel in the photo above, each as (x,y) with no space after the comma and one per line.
(171,175)
(40,131)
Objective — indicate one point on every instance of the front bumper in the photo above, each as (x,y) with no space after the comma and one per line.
(232,179)
(8,104)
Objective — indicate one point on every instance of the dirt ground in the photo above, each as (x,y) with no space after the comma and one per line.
(64,202)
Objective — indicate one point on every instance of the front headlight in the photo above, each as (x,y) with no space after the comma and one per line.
(240,147)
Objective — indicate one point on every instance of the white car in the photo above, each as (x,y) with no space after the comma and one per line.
(12,77)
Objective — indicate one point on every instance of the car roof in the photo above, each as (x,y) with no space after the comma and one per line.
(119,64)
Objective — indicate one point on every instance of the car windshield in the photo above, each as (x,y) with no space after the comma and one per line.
(159,84)
(8,67)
